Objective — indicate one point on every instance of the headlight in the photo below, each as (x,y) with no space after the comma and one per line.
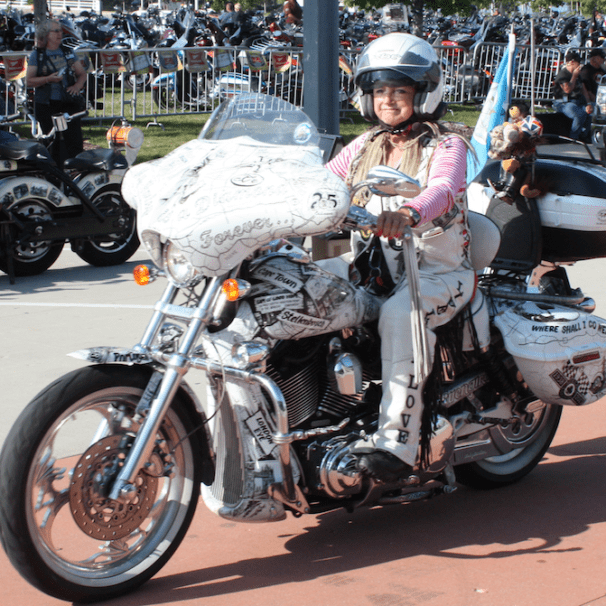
(179,267)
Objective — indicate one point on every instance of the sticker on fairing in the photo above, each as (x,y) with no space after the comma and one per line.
(269,304)
(260,428)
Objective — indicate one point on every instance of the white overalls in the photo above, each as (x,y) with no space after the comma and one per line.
(447,284)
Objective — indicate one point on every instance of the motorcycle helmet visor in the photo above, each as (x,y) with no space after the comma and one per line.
(384,77)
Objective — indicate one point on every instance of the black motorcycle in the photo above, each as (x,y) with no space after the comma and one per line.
(42,206)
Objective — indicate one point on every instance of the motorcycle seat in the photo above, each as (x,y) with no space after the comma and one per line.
(97,159)
(24,150)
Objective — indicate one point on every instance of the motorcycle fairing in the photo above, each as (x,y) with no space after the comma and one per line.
(561,352)
(219,201)
(15,189)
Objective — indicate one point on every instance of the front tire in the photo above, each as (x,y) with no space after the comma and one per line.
(530,442)
(117,248)
(57,525)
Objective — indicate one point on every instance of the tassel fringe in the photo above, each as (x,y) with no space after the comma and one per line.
(422,355)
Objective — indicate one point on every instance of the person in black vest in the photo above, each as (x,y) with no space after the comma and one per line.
(570,97)
(58,77)
(592,72)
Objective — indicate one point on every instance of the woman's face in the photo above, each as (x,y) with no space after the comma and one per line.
(393,104)
(55,36)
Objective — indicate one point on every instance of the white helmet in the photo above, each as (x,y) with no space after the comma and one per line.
(405,59)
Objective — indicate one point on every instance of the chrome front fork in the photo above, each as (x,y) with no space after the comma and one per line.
(177,366)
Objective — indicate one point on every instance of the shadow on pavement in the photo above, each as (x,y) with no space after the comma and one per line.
(62,279)
(531,517)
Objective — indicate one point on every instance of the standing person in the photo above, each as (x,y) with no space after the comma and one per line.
(591,73)
(239,24)
(48,70)
(400,79)
(570,97)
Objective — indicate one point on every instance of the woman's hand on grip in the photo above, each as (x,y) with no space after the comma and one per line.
(391,224)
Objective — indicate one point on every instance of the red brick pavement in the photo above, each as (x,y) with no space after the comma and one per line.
(539,542)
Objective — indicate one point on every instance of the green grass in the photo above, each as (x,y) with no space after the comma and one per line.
(179,129)
(159,140)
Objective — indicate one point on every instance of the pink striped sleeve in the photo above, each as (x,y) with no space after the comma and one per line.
(340,164)
(445,181)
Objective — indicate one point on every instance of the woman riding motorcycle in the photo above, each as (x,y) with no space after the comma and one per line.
(400,81)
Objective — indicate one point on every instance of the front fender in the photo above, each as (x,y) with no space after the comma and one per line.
(164,80)
(185,393)
(112,355)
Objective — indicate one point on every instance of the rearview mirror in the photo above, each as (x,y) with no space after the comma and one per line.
(387,181)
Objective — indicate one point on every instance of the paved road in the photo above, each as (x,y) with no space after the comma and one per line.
(536,543)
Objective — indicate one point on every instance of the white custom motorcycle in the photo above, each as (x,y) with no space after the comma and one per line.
(100,476)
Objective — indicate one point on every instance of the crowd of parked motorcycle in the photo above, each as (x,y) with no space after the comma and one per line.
(153,28)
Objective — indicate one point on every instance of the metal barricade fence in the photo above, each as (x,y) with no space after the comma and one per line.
(195,80)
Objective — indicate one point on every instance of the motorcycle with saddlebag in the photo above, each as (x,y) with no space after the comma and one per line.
(101,474)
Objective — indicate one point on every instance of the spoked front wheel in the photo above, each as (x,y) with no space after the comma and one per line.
(58,525)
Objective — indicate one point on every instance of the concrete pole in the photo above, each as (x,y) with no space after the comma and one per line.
(321,63)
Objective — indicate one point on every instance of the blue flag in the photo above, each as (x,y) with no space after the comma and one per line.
(493,114)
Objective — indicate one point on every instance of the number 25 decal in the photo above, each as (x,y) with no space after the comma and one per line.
(322,200)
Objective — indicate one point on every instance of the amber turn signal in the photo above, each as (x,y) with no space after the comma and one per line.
(231,289)
(142,275)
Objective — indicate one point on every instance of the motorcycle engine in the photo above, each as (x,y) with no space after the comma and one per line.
(335,467)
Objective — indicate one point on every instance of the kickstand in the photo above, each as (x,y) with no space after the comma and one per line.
(155,123)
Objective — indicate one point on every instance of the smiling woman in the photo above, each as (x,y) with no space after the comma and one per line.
(400,80)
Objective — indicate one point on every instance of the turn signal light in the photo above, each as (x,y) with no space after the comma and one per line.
(234,289)
(231,289)
(142,275)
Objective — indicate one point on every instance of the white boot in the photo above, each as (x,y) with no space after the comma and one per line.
(401,412)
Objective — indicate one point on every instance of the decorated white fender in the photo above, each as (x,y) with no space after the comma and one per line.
(90,184)
(15,189)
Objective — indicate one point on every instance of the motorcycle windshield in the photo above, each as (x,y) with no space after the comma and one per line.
(262,118)
(255,174)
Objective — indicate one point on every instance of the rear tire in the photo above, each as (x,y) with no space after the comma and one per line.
(57,525)
(115,248)
(30,259)
(502,470)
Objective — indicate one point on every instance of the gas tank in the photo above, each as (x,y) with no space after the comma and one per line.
(572,212)
(294,299)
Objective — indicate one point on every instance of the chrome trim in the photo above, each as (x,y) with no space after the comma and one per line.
(177,365)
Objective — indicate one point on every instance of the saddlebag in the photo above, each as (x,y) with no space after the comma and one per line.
(572,213)
(561,352)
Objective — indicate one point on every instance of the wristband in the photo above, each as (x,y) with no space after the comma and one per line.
(413,215)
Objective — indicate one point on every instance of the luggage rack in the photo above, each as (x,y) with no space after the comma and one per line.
(567,149)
